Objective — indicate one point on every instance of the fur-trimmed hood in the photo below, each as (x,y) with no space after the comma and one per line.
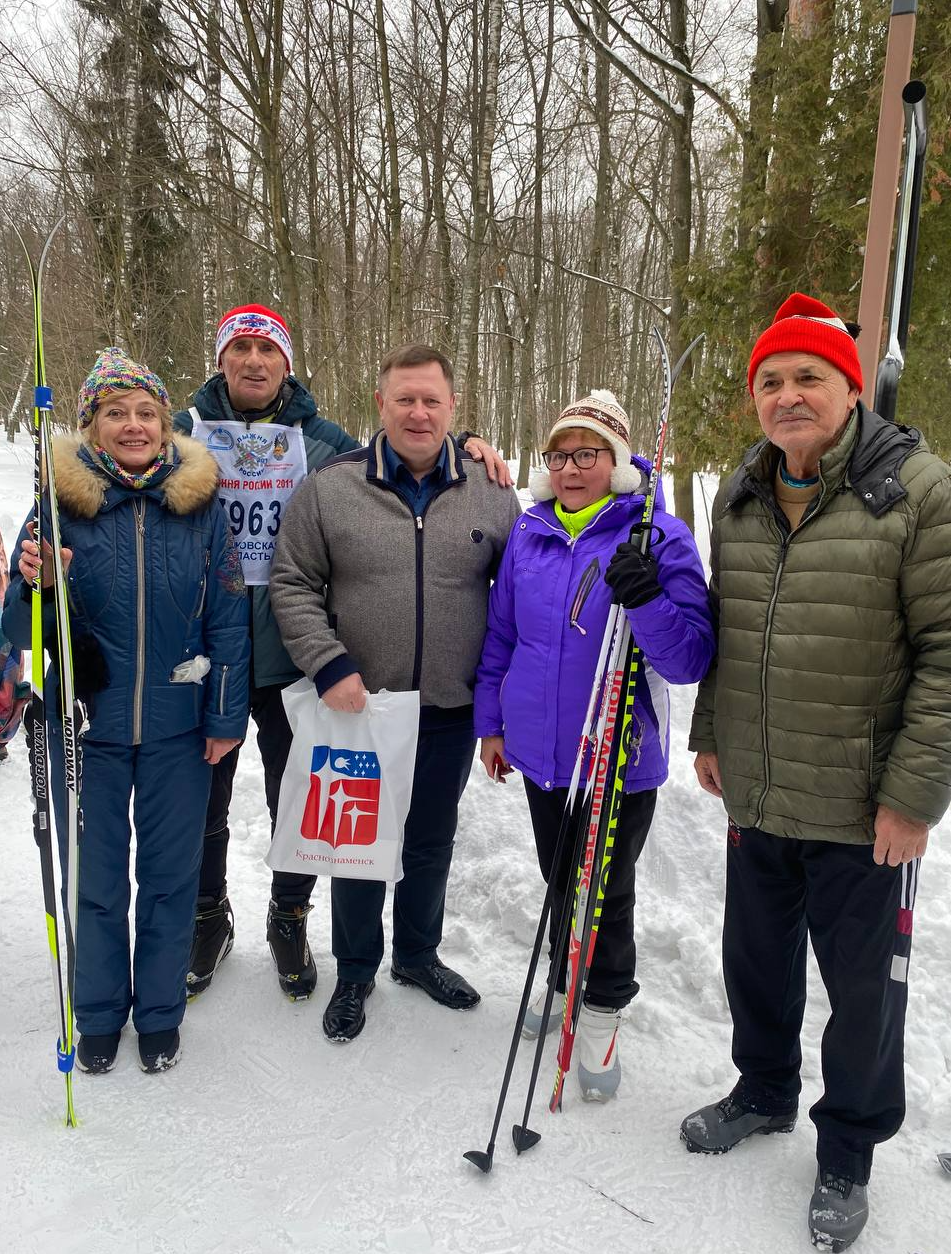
(81,486)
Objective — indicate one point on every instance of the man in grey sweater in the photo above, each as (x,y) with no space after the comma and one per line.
(381,580)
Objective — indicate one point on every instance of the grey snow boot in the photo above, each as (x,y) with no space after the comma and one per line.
(717,1128)
(599,1064)
(837,1211)
(532,1023)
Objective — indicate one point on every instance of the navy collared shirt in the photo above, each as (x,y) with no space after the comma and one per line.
(416,493)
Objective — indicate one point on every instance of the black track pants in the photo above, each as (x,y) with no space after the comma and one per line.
(859,918)
(611,982)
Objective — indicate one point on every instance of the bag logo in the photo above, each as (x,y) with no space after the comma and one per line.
(343,804)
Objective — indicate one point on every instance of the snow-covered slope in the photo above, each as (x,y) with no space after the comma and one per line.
(267,1139)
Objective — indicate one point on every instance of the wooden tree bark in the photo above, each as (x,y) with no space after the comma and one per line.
(467,358)
(541,85)
(681,208)
(594,358)
(394,198)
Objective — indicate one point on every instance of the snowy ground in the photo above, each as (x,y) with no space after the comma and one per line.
(267,1139)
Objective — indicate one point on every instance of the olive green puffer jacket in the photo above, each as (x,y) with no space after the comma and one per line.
(832,689)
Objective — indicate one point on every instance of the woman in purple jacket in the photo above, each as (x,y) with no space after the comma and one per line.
(547,613)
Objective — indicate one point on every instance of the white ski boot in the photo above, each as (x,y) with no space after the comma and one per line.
(599,1065)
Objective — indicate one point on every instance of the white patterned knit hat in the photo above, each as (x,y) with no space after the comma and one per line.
(600,412)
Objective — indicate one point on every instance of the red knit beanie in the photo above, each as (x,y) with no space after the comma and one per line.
(258,322)
(804,325)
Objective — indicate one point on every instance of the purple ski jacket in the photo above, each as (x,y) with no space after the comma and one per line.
(547,612)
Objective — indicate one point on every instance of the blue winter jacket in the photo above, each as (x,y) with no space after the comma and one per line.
(155,579)
(322,440)
(547,612)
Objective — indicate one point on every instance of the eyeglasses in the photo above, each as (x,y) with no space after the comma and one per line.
(583,458)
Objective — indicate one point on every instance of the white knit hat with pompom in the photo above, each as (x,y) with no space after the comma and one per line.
(600,412)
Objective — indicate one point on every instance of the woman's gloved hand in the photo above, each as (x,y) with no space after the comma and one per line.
(632,576)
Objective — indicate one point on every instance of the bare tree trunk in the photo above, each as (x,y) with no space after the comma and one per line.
(394,195)
(681,204)
(13,415)
(770,16)
(593,368)
(211,287)
(541,85)
(800,119)
(467,359)
(447,281)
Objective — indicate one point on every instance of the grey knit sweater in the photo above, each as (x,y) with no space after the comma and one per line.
(359,583)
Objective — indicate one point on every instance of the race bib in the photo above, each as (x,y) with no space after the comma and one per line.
(259,467)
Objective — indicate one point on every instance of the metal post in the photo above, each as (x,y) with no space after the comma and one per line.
(881,217)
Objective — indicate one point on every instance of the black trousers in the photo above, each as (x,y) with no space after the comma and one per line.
(443,761)
(859,918)
(274,744)
(611,981)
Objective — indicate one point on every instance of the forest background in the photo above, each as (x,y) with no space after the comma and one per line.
(529,185)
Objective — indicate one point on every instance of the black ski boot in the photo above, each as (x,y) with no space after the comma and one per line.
(211,943)
(287,938)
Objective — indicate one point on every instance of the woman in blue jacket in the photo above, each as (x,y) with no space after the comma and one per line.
(160,637)
(547,613)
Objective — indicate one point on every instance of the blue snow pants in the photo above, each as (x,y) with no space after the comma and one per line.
(167,782)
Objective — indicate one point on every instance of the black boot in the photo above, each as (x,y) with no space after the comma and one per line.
(97,1054)
(211,943)
(287,938)
(345,1017)
(159,1051)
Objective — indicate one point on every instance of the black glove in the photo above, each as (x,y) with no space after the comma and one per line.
(90,669)
(90,672)
(632,576)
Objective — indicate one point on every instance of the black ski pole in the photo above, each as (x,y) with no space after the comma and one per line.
(524,1137)
(572,821)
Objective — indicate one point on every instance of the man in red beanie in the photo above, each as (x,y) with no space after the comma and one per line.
(264,430)
(825,726)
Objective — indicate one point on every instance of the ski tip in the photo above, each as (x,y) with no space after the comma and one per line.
(480,1158)
(524,1138)
(945,1161)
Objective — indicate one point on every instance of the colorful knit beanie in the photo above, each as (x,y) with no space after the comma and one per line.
(114,371)
(600,412)
(805,325)
(256,321)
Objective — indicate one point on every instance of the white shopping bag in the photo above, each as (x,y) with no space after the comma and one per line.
(347,786)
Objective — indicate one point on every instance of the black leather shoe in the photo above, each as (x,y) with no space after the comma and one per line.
(440,982)
(97,1054)
(344,1017)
